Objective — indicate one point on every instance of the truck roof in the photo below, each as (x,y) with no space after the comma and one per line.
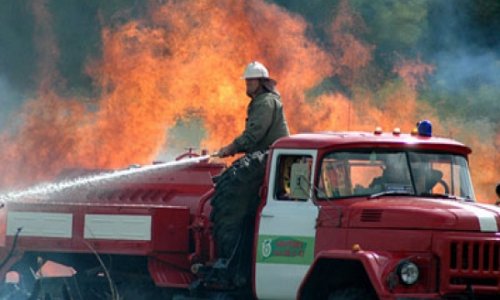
(360,139)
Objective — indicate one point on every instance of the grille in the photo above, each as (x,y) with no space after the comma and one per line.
(475,256)
(474,262)
(371,215)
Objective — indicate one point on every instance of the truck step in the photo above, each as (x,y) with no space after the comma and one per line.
(212,296)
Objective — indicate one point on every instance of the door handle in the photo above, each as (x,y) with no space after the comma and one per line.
(267,215)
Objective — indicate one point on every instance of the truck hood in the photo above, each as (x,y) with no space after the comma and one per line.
(424,213)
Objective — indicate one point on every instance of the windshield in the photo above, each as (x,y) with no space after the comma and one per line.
(374,172)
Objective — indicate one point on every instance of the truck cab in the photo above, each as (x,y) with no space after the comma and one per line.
(361,215)
(333,215)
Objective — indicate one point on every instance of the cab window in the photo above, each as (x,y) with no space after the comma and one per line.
(437,173)
(374,171)
(293,178)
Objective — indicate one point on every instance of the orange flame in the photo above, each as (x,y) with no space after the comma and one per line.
(186,61)
(413,73)
(350,55)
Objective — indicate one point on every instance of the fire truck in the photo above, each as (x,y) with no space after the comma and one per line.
(330,215)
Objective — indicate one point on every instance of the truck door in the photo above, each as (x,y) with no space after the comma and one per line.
(286,229)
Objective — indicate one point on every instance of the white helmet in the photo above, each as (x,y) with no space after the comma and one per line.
(255,70)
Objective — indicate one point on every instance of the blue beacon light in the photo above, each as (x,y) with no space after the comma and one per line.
(424,128)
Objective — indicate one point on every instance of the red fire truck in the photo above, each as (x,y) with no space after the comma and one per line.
(332,215)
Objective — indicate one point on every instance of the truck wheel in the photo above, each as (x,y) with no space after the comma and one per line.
(351,293)
(234,206)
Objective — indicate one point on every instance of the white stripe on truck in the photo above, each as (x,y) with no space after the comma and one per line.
(118,227)
(40,224)
(487,218)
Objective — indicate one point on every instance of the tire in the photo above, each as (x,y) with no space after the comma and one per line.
(351,293)
(234,206)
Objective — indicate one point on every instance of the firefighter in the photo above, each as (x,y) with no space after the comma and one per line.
(234,221)
(265,122)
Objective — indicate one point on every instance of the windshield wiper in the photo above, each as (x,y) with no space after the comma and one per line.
(390,193)
(437,195)
(447,196)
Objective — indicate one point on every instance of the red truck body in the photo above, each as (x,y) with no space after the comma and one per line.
(354,237)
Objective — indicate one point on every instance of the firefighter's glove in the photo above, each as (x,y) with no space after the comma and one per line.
(229,150)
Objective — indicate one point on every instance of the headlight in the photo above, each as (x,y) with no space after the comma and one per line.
(408,272)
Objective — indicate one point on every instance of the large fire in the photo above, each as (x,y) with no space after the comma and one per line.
(186,61)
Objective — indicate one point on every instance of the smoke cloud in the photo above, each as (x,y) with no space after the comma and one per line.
(105,84)
(10,101)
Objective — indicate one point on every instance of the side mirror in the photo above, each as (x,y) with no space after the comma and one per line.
(300,181)
(498,195)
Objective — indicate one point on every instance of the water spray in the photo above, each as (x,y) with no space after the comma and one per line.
(43,190)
